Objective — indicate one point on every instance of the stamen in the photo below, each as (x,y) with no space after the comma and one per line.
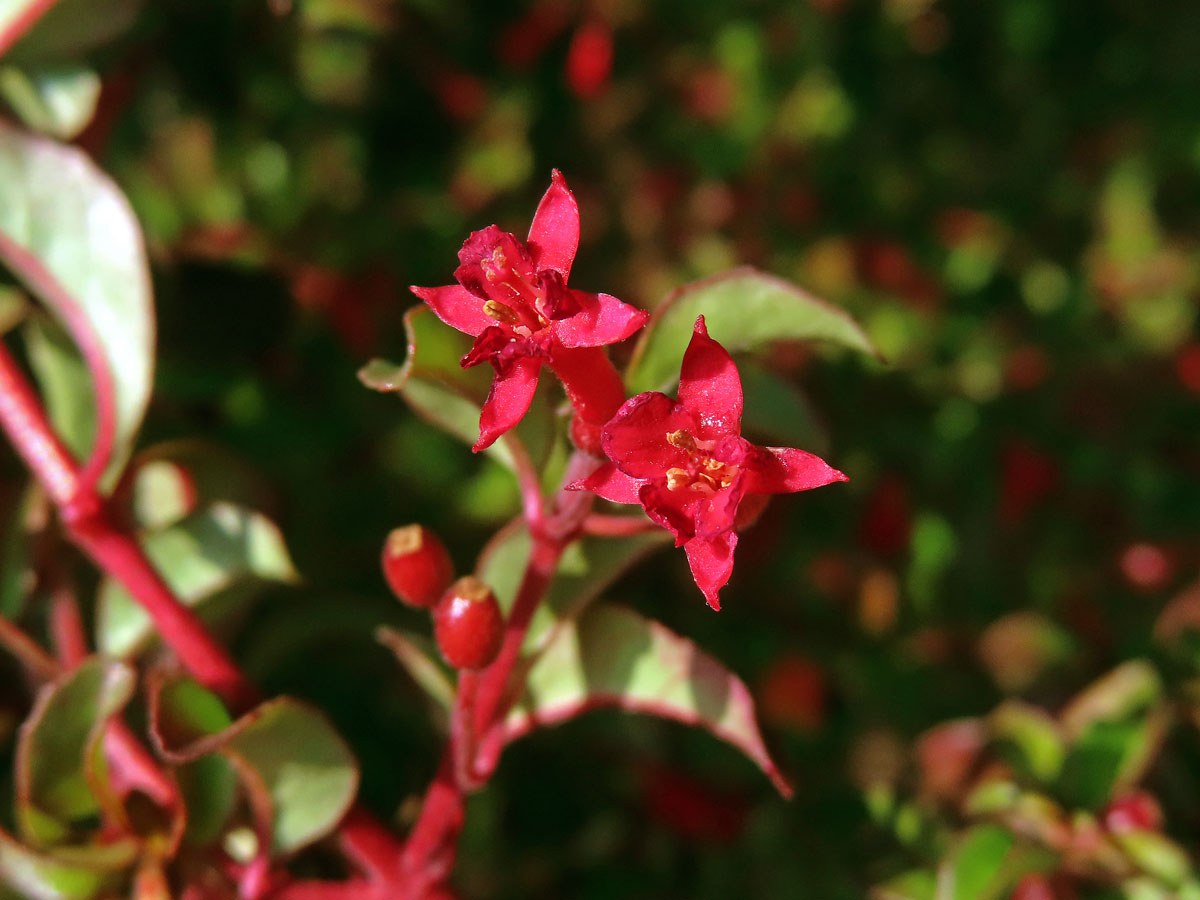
(677,478)
(681,439)
(500,312)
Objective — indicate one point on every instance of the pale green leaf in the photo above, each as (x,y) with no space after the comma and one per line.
(744,309)
(205,554)
(611,656)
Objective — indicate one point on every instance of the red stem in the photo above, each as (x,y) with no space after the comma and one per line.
(618,526)
(462,730)
(117,554)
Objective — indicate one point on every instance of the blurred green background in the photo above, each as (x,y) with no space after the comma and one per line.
(1005,194)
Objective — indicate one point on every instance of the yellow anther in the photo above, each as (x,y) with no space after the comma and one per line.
(677,478)
(681,439)
(500,313)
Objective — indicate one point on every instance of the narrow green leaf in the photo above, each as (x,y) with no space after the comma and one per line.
(1127,689)
(77,873)
(56,100)
(68,233)
(420,659)
(744,309)
(59,768)
(207,553)
(777,413)
(614,657)
(987,864)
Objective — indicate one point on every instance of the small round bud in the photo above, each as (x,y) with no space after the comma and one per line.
(468,625)
(416,565)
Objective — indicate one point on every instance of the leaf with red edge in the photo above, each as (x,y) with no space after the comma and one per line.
(587,568)
(745,310)
(69,235)
(68,873)
(613,657)
(60,768)
(440,391)
(299,775)
(60,30)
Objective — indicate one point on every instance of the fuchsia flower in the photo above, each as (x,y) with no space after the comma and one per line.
(512,297)
(686,462)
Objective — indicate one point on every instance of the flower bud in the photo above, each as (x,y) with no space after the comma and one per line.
(468,625)
(416,565)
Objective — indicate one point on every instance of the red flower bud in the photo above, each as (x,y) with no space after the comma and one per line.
(416,565)
(468,625)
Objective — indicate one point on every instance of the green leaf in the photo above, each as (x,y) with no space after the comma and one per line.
(1038,746)
(60,764)
(1156,855)
(421,661)
(1111,756)
(289,759)
(614,657)
(65,381)
(75,873)
(170,480)
(66,29)
(587,567)
(56,100)
(207,553)
(68,234)
(919,884)
(777,413)
(744,309)
(1129,688)
(439,390)
(987,864)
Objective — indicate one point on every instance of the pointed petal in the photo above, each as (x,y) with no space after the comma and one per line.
(636,437)
(601,320)
(610,483)
(456,306)
(782,470)
(710,387)
(508,401)
(711,561)
(554,232)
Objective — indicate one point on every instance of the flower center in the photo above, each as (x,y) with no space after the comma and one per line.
(524,305)
(703,474)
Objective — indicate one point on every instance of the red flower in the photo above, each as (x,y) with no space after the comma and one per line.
(512,297)
(686,462)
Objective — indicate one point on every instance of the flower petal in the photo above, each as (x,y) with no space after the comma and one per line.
(710,387)
(636,437)
(602,319)
(782,470)
(666,508)
(717,513)
(456,306)
(610,483)
(554,232)
(508,400)
(711,561)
